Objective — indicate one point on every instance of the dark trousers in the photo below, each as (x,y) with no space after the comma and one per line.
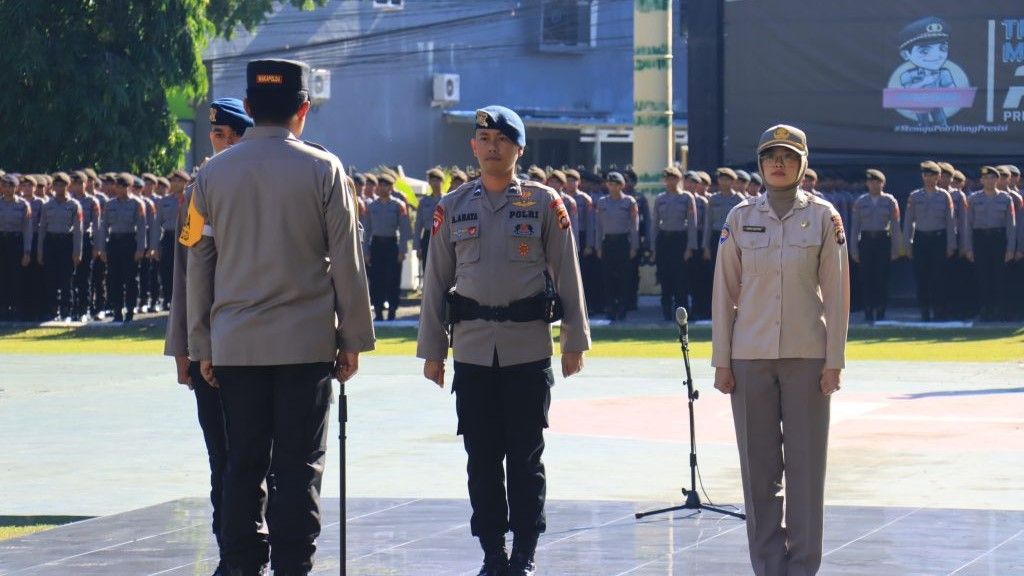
(593,283)
(211,421)
(11,273)
(875,259)
(99,286)
(83,276)
(1014,284)
(122,273)
(990,270)
(502,415)
(617,271)
(386,275)
(929,256)
(424,248)
(149,282)
(670,250)
(59,270)
(276,422)
(167,267)
(33,287)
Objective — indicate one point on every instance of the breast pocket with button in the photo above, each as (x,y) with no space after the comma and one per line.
(467,244)
(803,251)
(754,248)
(524,241)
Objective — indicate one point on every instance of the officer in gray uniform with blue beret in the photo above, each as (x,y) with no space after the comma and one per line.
(489,289)
(386,232)
(15,245)
(674,229)
(875,240)
(617,238)
(990,239)
(929,233)
(274,225)
(121,244)
(60,246)
(424,213)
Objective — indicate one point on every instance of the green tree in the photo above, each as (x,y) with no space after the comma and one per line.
(86,80)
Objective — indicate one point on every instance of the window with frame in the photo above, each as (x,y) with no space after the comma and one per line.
(568,25)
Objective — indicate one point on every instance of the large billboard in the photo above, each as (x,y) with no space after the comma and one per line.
(942,77)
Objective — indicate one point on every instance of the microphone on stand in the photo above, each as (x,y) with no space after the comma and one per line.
(681,316)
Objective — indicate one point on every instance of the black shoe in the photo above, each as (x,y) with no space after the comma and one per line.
(495,556)
(378,317)
(521,562)
(118,318)
(521,566)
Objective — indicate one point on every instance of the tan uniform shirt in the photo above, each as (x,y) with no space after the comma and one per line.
(285,258)
(495,250)
(986,212)
(782,287)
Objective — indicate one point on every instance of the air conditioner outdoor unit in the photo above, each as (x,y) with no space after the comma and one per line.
(446,89)
(320,86)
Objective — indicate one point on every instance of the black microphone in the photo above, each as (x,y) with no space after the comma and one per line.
(681,322)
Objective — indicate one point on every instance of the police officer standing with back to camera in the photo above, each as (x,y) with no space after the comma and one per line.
(617,238)
(290,311)
(227,114)
(989,240)
(386,235)
(494,243)
(875,240)
(60,247)
(929,232)
(15,245)
(121,244)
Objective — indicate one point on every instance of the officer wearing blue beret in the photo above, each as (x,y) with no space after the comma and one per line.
(493,242)
(228,122)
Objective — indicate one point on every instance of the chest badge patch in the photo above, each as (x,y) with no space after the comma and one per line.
(524,249)
(523,230)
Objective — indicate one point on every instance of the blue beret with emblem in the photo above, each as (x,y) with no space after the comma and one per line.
(230,112)
(503,120)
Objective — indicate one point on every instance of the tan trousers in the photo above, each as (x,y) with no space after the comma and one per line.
(781,420)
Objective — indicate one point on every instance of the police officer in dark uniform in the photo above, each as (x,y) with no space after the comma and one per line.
(60,247)
(929,232)
(989,242)
(121,244)
(674,229)
(82,306)
(506,248)
(875,240)
(386,231)
(290,311)
(617,236)
(15,245)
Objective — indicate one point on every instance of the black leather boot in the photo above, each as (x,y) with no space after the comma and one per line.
(521,562)
(495,556)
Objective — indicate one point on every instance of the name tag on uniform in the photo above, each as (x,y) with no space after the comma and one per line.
(754,229)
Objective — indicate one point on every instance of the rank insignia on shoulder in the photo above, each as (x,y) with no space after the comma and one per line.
(837,223)
(192,227)
(725,235)
(561,213)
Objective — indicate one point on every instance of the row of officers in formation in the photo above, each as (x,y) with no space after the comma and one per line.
(81,245)
(942,227)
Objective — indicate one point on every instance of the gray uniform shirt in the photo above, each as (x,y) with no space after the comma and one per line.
(167,208)
(719,205)
(122,216)
(990,212)
(16,216)
(176,333)
(495,250)
(285,259)
(423,219)
(675,213)
(959,199)
(584,221)
(37,204)
(90,212)
(929,212)
(387,219)
(61,217)
(702,213)
(620,216)
(151,225)
(876,214)
(1018,209)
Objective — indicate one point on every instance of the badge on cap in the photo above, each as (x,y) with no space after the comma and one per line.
(213,115)
(270,79)
(482,118)
(781,133)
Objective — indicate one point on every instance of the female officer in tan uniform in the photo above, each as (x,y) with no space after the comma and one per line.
(780,311)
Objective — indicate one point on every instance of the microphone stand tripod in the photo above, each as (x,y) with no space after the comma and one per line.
(692,498)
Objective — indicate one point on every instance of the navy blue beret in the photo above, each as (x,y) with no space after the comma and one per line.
(503,120)
(230,112)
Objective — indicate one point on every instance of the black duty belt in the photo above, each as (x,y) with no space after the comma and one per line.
(990,231)
(874,234)
(929,233)
(11,235)
(523,310)
(58,234)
